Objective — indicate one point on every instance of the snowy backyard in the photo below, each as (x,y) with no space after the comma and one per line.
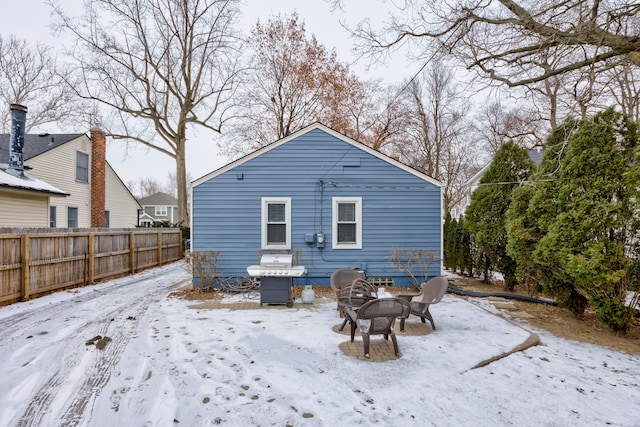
(122,353)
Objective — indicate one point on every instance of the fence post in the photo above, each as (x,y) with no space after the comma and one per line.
(92,258)
(26,277)
(132,265)
(159,248)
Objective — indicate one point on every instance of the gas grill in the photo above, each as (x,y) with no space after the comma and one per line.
(276,274)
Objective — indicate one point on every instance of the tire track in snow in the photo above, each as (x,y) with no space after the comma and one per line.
(14,325)
(42,400)
(119,309)
(120,330)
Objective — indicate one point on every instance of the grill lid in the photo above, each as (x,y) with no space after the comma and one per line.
(276,261)
(276,265)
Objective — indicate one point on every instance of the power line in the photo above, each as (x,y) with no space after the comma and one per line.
(520,182)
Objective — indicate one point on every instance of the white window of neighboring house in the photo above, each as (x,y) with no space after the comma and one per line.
(53,220)
(276,223)
(82,167)
(161,211)
(72,217)
(347,223)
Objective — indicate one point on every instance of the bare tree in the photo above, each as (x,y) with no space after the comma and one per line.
(171,184)
(495,124)
(436,131)
(377,116)
(159,66)
(572,93)
(30,76)
(510,40)
(624,87)
(295,81)
(144,187)
(282,90)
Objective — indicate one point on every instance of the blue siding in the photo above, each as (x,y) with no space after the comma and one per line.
(399,209)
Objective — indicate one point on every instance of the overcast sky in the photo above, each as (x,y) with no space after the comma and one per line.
(30,19)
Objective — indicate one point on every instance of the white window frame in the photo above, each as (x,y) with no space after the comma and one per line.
(266,201)
(334,220)
(161,211)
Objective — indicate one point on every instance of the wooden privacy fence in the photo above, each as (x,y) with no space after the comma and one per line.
(35,262)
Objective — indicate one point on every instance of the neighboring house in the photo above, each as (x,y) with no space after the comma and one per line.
(535,155)
(76,164)
(24,199)
(329,200)
(158,207)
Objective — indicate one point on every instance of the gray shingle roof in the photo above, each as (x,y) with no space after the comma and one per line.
(35,144)
(158,199)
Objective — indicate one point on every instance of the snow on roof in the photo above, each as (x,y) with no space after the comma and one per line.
(12,179)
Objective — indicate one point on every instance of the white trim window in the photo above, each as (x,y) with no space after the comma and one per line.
(347,223)
(276,223)
(161,211)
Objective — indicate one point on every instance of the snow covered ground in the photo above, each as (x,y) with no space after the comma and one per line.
(161,362)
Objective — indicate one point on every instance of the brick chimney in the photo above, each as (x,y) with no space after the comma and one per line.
(98,177)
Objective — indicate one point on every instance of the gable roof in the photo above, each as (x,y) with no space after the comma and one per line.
(8,179)
(146,216)
(36,144)
(308,129)
(158,199)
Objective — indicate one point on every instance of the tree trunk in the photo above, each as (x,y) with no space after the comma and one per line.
(181,176)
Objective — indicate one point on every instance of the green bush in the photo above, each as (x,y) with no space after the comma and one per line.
(486,215)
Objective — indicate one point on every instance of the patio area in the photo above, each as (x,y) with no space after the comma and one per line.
(168,360)
(381,349)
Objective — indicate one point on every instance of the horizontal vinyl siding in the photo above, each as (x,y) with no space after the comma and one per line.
(122,206)
(58,167)
(21,209)
(399,209)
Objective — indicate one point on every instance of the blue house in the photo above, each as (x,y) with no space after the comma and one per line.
(330,201)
